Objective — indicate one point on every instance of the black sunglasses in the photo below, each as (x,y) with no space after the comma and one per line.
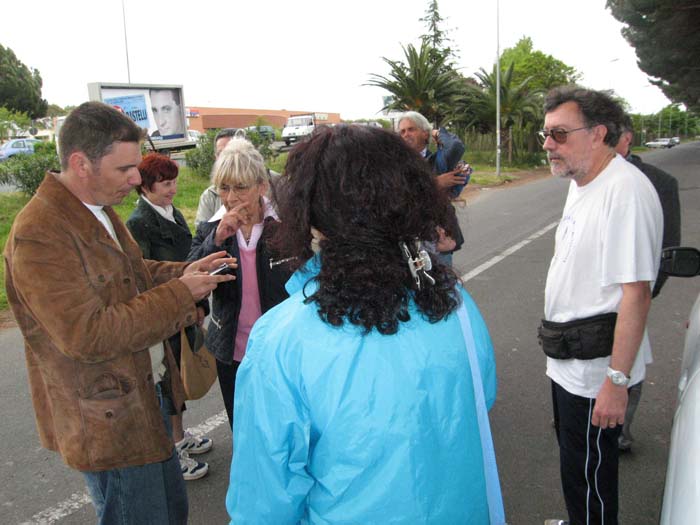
(558,135)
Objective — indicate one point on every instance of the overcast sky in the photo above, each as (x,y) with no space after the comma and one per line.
(307,55)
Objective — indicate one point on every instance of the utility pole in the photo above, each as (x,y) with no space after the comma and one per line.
(126,45)
(498,92)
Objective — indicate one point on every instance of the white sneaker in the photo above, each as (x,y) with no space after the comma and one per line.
(191,469)
(194,445)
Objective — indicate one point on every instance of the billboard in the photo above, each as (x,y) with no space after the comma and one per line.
(158,108)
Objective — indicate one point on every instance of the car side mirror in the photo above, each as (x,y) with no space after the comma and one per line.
(680,261)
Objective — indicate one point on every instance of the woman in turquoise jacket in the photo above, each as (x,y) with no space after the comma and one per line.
(362,398)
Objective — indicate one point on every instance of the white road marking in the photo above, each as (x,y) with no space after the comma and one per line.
(510,251)
(51,515)
(80,499)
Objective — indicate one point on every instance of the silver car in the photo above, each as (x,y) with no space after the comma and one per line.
(681,502)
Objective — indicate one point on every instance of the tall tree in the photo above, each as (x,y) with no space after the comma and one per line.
(436,37)
(666,38)
(20,87)
(544,71)
(519,104)
(11,121)
(421,83)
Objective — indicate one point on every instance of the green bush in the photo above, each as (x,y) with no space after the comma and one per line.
(27,171)
(200,159)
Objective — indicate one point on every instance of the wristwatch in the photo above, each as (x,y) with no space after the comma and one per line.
(618,378)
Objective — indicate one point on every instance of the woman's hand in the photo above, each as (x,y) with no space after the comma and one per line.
(230,222)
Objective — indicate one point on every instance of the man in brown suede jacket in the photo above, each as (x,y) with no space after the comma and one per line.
(94,314)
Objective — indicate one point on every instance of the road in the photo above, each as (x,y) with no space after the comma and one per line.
(506,254)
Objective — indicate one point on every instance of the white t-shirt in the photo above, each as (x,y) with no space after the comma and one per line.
(609,234)
(156,351)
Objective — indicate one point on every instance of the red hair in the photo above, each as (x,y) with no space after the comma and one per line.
(156,168)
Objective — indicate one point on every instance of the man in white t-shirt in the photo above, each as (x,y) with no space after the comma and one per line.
(606,257)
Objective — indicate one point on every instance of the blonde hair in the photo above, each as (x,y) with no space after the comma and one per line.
(239,164)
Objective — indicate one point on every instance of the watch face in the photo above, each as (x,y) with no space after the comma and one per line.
(618,378)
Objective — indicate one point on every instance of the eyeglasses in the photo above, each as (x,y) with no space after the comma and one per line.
(558,135)
(234,189)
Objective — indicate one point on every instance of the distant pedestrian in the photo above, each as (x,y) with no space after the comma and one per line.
(209,201)
(162,233)
(417,133)
(666,187)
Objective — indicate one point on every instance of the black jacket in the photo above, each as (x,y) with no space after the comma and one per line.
(226,299)
(159,238)
(666,187)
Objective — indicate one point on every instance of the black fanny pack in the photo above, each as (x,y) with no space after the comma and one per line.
(587,338)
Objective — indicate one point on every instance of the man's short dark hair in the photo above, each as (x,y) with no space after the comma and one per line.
(626,124)
(174,92)
(226,132)
(596,107)
(93,128)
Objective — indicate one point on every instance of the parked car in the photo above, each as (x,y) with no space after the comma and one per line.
(17,147)
(681,503)
(660,143)
(676,140)
(194,135)
(266,132)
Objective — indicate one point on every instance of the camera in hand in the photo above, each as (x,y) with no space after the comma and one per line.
(224,269)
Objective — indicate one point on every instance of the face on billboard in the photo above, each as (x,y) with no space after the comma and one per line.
(167,112)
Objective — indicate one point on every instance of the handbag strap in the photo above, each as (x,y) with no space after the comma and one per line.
(493,486)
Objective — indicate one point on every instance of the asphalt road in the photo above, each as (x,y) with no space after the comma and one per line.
(35,487)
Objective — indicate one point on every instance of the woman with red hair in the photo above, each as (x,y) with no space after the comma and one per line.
(163,235)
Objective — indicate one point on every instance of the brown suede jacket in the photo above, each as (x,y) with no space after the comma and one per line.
(87,330)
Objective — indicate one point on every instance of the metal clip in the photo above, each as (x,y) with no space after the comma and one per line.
(421,263)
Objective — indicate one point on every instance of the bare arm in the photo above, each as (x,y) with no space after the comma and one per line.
(611,402)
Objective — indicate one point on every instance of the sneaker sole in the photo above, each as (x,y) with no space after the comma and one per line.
(200,450)
(197,474)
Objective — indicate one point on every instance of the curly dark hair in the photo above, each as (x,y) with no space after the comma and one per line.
(366,191)
(155,168)
(596,107)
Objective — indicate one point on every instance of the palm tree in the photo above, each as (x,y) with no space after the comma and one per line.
(421,84)
(476,107)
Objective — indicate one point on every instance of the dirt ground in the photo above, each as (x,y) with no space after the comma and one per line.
(470,193)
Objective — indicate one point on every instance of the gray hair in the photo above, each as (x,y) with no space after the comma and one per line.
(418,119)
(239,164)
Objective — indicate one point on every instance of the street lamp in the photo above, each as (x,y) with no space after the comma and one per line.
(126,45)
(498,93)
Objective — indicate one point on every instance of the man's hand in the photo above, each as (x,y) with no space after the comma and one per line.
(610,405)
(211,262)
(201,284)
(451,178)
(230,222)
(445,243)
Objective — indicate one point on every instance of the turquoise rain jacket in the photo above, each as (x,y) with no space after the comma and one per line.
(335,427)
